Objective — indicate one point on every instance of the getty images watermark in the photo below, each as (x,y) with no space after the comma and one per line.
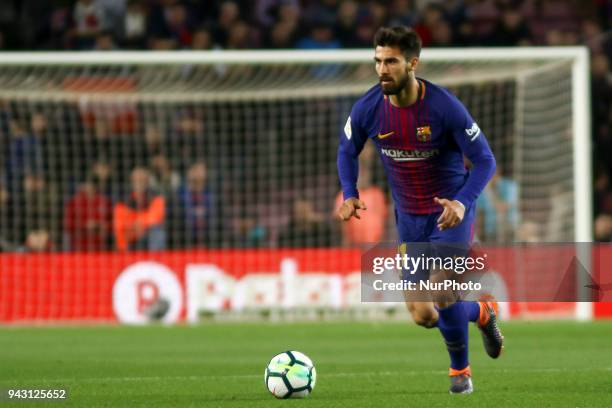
(541,272)
(413,266)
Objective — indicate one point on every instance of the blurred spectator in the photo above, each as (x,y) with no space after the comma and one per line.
(364,34)
(139,218)
(89,20)
(178,26)
(6,221)
(164,179)
(483,15)
(368,19)
(113,10)
(6,117)
(102,173)
(248,231)
(320,12)
(570,38)
(56,146)
(511,29)
(195,216)
(267,12)
(54,31)
(289,12)
(282,36)
(321,36)
(529,232)
(170,27)
(241,36)
(403,13)
(37,214)
(153,140)
(307,228)
(38,240)
(98,141)
(592,36)
(105,42)
(88,218)
(184,140)
(596,39)
(560,216)
(24,154)
(442,36)
(603,228)
(602,202)
(554,38)
(377,13)
(347,23)
(498,204)
(455,12)
(202,39)
(285,26)
(229,15)
(134,25)
(431,19)
(601,106)
(50,145)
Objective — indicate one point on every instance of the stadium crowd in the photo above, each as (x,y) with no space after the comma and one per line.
(172,198)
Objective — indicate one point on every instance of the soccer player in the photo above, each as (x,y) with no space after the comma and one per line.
(422,131)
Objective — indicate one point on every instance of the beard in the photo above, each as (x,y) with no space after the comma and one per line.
(395,87)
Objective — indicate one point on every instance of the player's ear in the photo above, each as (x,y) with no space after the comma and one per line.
(412,63)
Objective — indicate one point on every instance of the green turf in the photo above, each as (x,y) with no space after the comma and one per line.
(552,364)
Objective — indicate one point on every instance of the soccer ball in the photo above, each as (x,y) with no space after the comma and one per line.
(290,375)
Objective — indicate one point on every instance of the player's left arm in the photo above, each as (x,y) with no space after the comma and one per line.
(473,144)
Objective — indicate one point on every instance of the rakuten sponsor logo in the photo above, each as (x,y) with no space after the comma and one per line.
(409,155)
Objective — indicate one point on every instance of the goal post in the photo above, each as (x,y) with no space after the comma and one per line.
(265,124)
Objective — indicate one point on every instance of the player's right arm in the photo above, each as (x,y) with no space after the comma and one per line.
(352,140)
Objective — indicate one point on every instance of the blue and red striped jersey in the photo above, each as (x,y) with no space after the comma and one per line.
(421,146)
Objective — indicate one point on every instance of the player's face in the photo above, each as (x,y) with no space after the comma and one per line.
(393,69)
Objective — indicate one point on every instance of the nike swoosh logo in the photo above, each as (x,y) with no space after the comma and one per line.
(385,135)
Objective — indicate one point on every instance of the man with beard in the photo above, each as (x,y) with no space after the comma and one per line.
(422,131)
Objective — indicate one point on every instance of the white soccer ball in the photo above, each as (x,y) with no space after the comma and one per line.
(290,375)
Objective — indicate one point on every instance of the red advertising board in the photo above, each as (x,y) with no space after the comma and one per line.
(79,287)
(110,287)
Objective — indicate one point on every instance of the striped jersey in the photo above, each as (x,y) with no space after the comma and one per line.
(421,147)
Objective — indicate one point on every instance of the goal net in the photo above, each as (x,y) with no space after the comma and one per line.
(109,160)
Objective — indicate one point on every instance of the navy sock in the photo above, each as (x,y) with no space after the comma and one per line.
(453,324)
(472,310)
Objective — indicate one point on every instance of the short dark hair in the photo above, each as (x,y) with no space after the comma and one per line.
(406,39)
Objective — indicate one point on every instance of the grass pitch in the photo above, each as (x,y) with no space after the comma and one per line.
(548,364)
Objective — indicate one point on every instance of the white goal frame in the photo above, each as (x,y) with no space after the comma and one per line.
(580,85)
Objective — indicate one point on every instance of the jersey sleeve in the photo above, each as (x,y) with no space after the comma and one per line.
(352,140)
(473,144)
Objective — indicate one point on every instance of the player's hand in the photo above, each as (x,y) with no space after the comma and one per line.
(349,209)
(452,215)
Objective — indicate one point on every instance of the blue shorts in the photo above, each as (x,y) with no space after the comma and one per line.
(420,236)
(423,228)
